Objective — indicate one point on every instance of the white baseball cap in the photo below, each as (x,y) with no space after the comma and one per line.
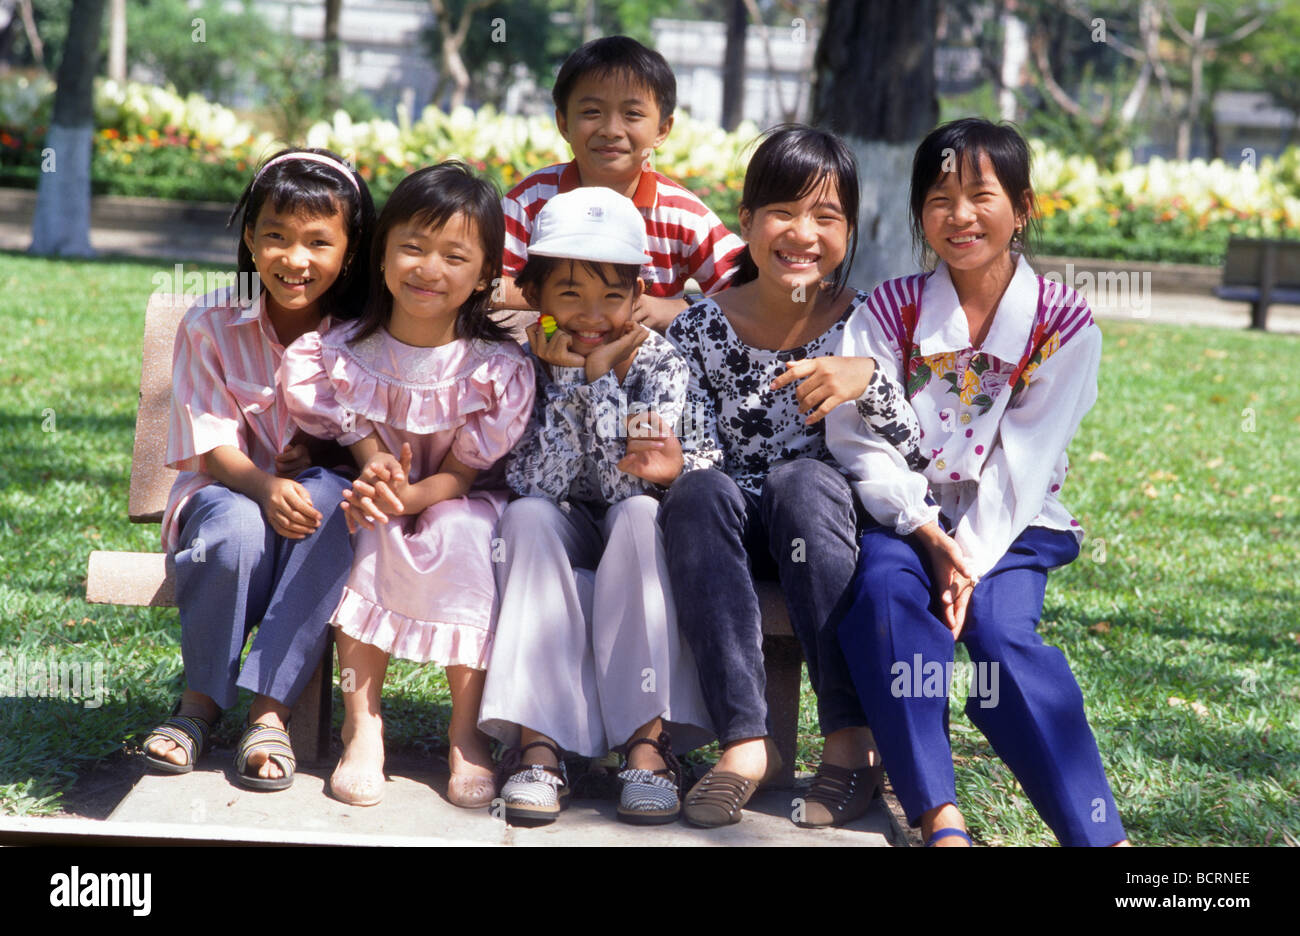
(590,223)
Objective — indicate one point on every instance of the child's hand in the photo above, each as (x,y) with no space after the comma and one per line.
(826,382)
(608,356)
(656,313)
(377,493)
(554,350)
(288,508)
(293,459)
(653,452)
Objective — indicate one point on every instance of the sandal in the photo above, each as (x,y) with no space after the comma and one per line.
(651,797)
(839,795)
(188,732)
(275,741)
(717,800)
(949,833)
(533,795)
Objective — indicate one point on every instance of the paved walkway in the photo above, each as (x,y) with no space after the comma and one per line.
(206,805)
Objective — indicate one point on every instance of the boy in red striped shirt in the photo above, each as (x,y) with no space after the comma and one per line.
(614,102)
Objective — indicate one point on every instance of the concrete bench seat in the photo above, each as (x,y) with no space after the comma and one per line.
(144,579)
(1263,273)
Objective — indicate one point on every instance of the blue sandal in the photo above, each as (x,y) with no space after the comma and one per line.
(949,833)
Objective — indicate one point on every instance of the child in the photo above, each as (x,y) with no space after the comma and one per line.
(760,497)
(614,102)
(1001,366)
(255,533)
(427,392)
(585,661)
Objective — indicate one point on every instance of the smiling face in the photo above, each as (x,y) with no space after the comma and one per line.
(298,257)
(592,308)
(613,126)
(431,272)
(798,243)
(968,218)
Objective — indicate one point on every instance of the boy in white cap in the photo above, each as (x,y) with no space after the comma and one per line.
(587,656)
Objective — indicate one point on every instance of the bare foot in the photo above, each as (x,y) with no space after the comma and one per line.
(359,777)
(193,705)
(266,711)
(751,758)
(947,816)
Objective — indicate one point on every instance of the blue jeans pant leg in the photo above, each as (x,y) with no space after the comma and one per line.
(1037,723)
(809,512)
(892,641)
(707,521)
(308,578)
(224,572)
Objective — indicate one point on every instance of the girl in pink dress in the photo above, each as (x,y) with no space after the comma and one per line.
(428,393)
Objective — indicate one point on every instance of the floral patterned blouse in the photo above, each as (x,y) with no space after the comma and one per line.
(735,421)
(995,420)
(576,436)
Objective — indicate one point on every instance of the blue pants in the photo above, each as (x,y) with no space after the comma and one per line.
(1031,709)
(718,540)
(234,571)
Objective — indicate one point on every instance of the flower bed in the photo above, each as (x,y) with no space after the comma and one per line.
(150,141)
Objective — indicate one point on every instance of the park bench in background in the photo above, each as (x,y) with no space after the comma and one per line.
(1261,272)
(145,579)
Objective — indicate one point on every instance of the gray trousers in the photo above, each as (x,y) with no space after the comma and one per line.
(233,571)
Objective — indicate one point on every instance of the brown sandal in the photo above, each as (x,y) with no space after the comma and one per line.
(839,795)
(717,800)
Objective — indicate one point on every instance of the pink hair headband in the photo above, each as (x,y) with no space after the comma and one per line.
(312,157)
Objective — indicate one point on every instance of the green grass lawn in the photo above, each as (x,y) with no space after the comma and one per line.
(1178,617)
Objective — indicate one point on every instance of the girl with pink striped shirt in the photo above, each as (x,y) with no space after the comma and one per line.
(253,525)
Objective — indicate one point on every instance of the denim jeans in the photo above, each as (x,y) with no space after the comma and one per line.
(802,531)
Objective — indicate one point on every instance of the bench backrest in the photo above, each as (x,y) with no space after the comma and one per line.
(151,479)
(1244,264)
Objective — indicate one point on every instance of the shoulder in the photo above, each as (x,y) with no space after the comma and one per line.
(676,198)
(1063,315)
(690,322)
(892,305)
(542,184)
(503,360)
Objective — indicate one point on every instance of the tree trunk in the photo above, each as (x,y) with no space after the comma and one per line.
(333,13)
(888,48)
(1196,51)
(117,40)
(61,225)
(733,66)
(1015,56)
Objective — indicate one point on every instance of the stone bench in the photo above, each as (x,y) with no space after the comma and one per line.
(145,579)
(1261,272)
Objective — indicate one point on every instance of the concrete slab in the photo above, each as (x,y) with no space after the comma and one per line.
(207,805)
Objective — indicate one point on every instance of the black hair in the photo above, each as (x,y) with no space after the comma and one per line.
(956,147)
(792,161)
(617,55)
(537,270)
(304,186)
(431,197)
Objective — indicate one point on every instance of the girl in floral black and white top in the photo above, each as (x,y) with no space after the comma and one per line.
(760,496)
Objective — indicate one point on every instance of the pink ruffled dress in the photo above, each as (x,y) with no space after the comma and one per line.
(421,586)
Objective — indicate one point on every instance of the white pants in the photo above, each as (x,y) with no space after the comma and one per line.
(587,657)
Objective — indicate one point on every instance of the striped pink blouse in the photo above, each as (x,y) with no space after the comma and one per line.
(223,393)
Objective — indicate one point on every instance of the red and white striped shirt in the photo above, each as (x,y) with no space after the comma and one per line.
(685,239)
(223,393)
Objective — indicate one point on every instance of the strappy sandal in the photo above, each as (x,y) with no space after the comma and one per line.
(839,795)
(719,798)
(188,732)
(535,794)
(651,797)
(949,833)
(275,742)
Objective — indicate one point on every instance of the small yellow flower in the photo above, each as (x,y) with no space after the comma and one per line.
(1029,372)
(970,386)
(1052,345)
(941,363)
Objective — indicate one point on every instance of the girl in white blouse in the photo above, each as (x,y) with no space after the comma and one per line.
(1000,366)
